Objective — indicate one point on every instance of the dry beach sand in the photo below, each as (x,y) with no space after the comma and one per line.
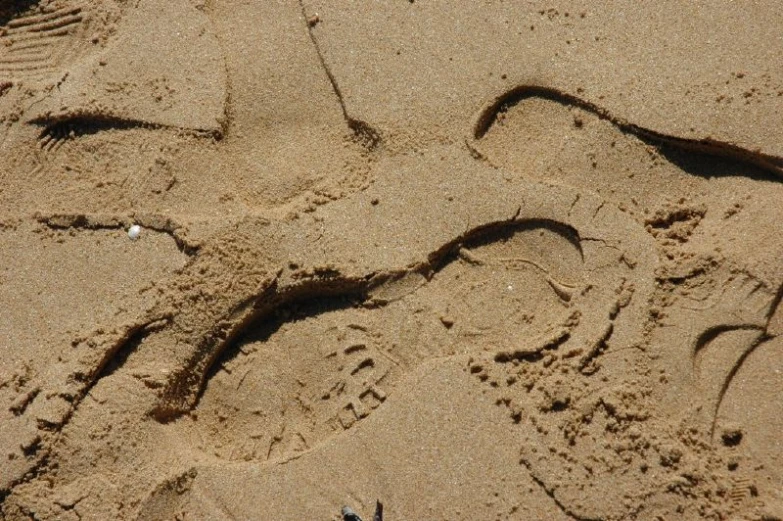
(478,260)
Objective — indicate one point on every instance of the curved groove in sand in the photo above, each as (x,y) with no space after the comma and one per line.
(365,134)
(487,116)
(735,367)
(703,341)
(702,344)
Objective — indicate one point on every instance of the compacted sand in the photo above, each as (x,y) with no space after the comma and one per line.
(477,260)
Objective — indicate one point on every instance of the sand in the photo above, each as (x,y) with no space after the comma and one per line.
(476,260)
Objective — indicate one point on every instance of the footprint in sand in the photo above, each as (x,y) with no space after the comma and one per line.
(36,38)
(548,290)
(325,364)
(519,300)
(539,273)
(77,73)
(666,185)
(112,78)
(708,314)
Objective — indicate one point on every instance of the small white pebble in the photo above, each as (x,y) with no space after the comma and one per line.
(134,232)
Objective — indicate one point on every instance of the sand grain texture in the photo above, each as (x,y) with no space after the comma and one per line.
(478,260)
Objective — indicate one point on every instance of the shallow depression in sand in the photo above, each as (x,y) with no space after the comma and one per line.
(322,365)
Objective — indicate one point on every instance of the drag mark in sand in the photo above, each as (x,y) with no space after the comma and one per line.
(365,134)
